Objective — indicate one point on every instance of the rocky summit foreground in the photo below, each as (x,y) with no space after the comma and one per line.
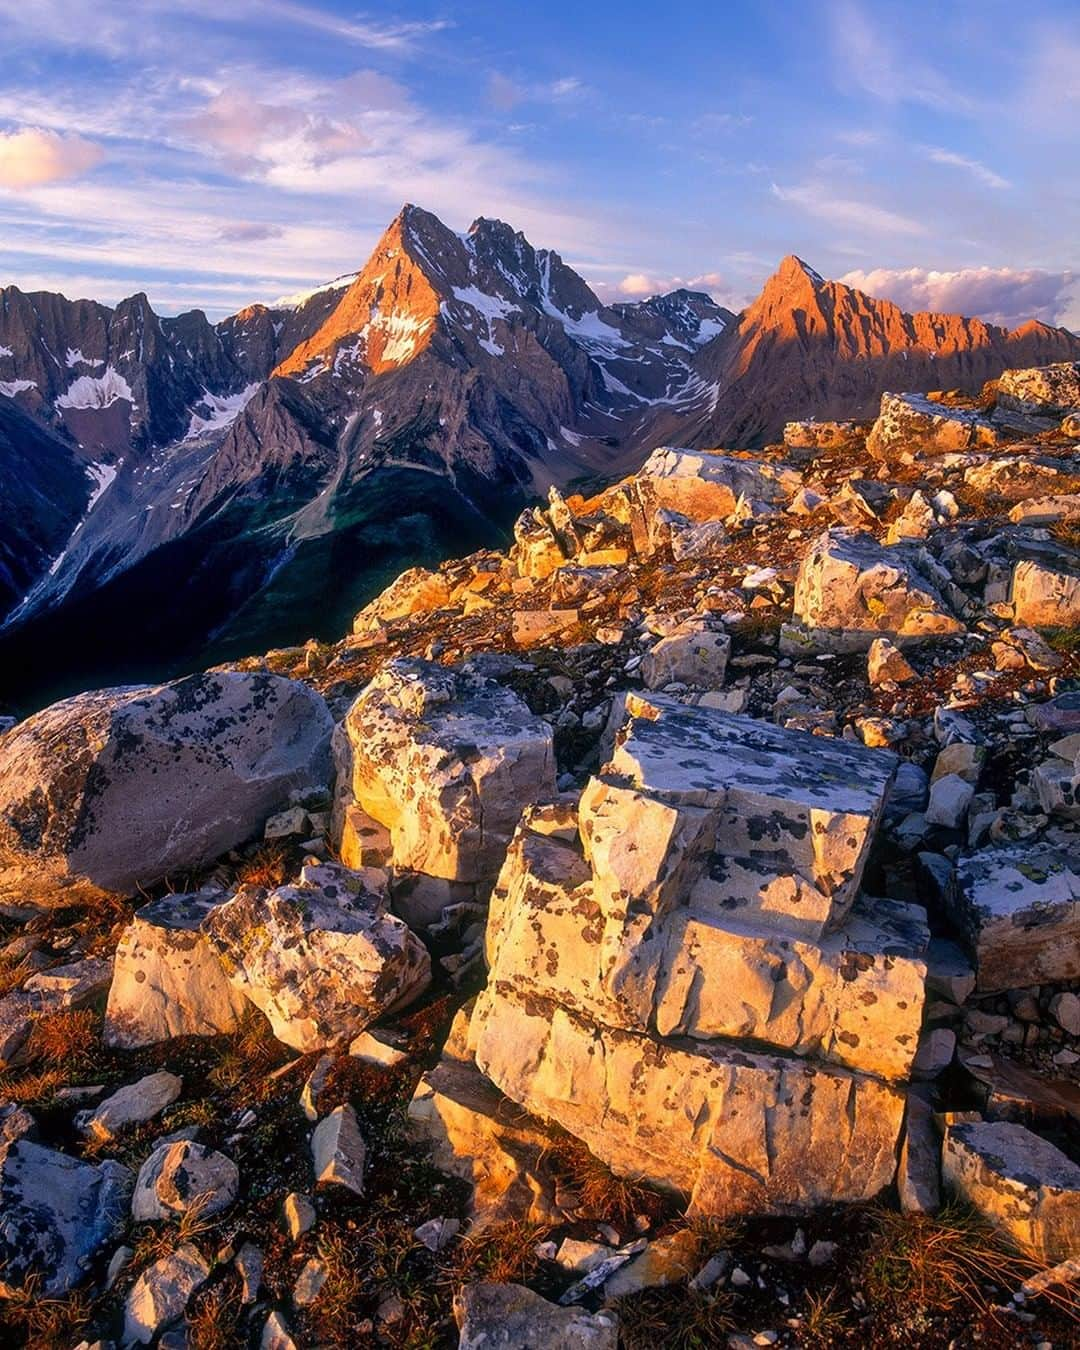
(664,933)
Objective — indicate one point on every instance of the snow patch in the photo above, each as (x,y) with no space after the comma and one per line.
(5,351)
(75,358)
(102,476)
(97,391)
(222,410)
(301,298)
(709,329)
(9,388)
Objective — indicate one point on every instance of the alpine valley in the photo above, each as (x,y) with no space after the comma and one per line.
(178,492)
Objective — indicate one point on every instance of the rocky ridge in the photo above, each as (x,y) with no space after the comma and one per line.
(674,917)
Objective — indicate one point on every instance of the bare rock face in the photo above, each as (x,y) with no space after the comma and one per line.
(678,977)
(113,790)
(56,1213)
(1019,908)
(322,959)
(167,979)
(416,591)
(1018,1181)
(446,761)
(511,1317)
(1052,391)
(850,590)
(912,424)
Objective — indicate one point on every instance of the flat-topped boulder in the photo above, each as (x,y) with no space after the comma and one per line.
(322,958)
(445,760)
(1020,1182)
(813,435)
(1052,391)
(1045,590)
(850,590)
(56,1214)
(734,1129)
(1019,908)
(558,930)
(912,424)
(167,979)
(807,806)
(111,791)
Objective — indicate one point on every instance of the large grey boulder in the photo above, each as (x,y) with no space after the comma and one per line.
(116,789)
(909,424)
(322,958)
(511,1317)
(1049,390)
(56,1214)
(850,590)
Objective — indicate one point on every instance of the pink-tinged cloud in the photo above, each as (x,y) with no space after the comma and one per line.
(1004,295)
(34,156)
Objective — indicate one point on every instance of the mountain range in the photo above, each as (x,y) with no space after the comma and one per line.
(177,491)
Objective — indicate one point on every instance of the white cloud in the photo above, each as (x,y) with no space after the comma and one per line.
(984,175)
(818,200)
(34,155)
(1004,295)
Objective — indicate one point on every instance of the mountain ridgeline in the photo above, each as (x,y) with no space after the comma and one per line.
(178,492)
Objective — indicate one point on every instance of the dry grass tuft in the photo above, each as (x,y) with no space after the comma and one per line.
(213,1318)
(504,1253)
(934,1263)
(824,1323)
(31,1089)
(674,1319)
(47,1323)
(603,1195)
(66,1040)
(268,866)
(250,1053)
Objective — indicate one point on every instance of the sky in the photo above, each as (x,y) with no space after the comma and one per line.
(217,152)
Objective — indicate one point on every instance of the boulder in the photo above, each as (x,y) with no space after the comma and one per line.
(775,825)
(1045,593)
(1019,908)
(180,1176)
(918,1175)
(536,552)
(338,1151)
(886,664)
(322,958)
(695,653)
(56,1214)
(445,760)
(813,435)
(1051,391)
(911,424)
(511,1317)
(162,1292)
(167,979)
(416,591)
(1018,1181)
(110,791)
(1047,510)
(850,590)
(735,1129)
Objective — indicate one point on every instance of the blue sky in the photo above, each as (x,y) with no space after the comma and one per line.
(215,152)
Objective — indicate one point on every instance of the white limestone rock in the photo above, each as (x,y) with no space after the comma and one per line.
(446,760)
(1019,908)
(911,424)
(695,653)
(1046,591)
(322,958)
(851,590)
(1020,1182)
(511,1317)
(162,1292)
(131,1105)
(180,1175)
(168,980)
(112,790)
(338,1150)
(1051,391)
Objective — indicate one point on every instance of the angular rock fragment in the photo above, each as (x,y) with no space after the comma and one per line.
(113,790)
(416,591)
(695,653)
(911,424)
(338,1150)
(511,1317)
(1050,390)
(1046,593)
(56,1214)
(168,980)
(162,1292)
(131,1105)
(321,958)
(1020,1182)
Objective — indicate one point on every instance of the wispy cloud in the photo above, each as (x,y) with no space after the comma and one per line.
(819,200)
(32,156)
(977,170)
